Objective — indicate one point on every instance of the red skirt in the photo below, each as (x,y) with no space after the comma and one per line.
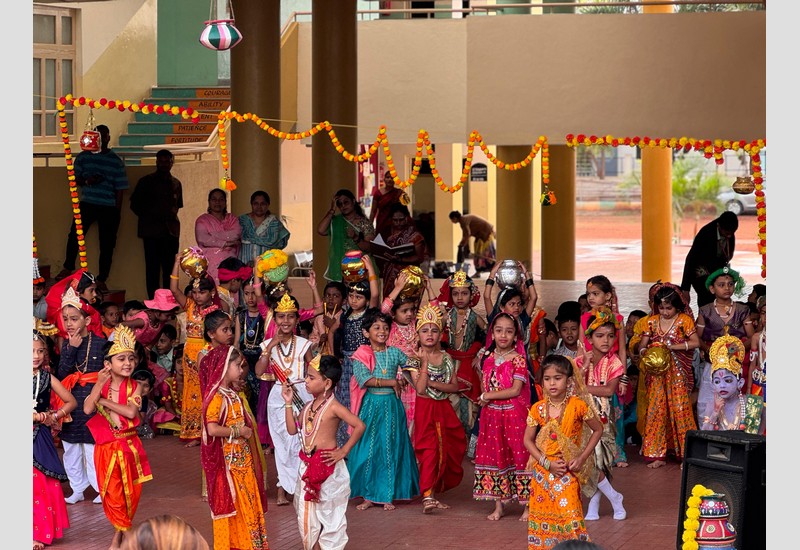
(439,444)
(49,509)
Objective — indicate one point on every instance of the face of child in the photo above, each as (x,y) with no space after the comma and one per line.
(39,353)
(234,285)
(164,344)
(234,372)
(762,318)
(131,313)
(223,334)
(568,330)
(405,314)
(722,287)
(667,310)
(551,340)
(356,301)
(333,299)
(202,297)
(554,383)
(629,324)
(429,335)
(250,297)
(286,321)
(74,321)
(90,293)
(111,316)
(755,317)
(513,306)
(603,338)
(38,292)
(122,364)
(596,297)
(146,387)
(460,297)
(378,333)
(164,316)
(584,303)
(726,384)
(504,332)
(316,384)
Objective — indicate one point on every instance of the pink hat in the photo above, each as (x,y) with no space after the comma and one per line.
(163,300)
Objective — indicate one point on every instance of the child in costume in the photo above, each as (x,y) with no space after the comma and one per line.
(601,293)
(568,321)
(323,480)
(720,317)
(199,302)
(439,442)
(501,474)
(147,411)
(248,334)
(285,355)
(49,510)
(230,455)
(553,439)
(39,285)
(81,360)
(120,460)
(333,298)
(382,463)
(403,309)
(168,415)
(602,370)
(669,410)
(757,382)
(83,284)
(147,324)
(732,409)
(232,274)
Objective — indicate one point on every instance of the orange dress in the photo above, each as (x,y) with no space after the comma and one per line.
(555,512)
(192,400)
(246,528)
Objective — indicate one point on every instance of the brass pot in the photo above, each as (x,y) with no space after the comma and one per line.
(656,360)
(743,185)
(353,268)
(415,283)
(193,262)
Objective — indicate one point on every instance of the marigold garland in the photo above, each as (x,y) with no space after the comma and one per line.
(122,106)
(39,279)
(691,524)
(709,149)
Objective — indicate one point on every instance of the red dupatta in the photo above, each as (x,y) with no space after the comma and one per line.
(53,300)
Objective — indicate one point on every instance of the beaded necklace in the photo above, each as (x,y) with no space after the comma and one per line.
(738,419)
(36,387)
(251,333)
(287,359)
(81,367)
(310,421)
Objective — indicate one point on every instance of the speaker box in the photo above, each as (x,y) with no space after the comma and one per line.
(733,463)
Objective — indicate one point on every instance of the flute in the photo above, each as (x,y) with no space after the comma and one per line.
(281,377)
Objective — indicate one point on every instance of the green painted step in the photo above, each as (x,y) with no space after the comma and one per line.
(160,93)
(208,116)
(154,139)
(171,127)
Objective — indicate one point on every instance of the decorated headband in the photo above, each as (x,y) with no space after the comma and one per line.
(314,363)
(602,316)
(429,314)
(460,279)
(43,328)
(738,281)
(727,352)
(71,298)
(286,305)
(124,340)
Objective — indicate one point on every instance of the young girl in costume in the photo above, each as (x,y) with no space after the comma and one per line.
(439,440)
(402,335)
(720,317)
(382,463)
(147,324)
(500,455)
(732,409)
(168,415)
(323,480)
(120,460)
(553,439)
(49,510)
(345,336)
(230,455)
(757,381)
(286,356)
(202,301)
(333,299)
(81,360)
(669,410)
(248,334)
(602,370)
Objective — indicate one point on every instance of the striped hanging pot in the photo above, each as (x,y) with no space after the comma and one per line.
(220,34)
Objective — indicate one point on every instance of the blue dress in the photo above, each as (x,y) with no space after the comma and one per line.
(382,463)
(349,338)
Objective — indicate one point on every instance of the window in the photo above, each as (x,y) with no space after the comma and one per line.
(54,66)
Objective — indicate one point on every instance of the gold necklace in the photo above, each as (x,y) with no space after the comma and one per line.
(83,366)
(559,405)
(665,332)
(727,309)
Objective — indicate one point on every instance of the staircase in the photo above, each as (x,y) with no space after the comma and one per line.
(167,130)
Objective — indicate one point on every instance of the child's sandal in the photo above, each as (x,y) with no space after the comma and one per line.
(429,504)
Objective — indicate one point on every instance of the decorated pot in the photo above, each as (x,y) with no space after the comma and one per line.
(509,274)
(90,141)
(273,265)
(193,262)
(415,283)
(656,360)
(715,531)
(353,268)
(743,185)
(220,34)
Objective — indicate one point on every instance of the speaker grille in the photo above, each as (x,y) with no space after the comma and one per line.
(728,483)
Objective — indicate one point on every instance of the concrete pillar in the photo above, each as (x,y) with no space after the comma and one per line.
(656,214)
(558,221)
(334,97)
(448,234)
(256,88)
(514,207)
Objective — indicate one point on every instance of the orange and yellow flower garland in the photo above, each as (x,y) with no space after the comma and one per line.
(709,149)
(146,108)
(38,279)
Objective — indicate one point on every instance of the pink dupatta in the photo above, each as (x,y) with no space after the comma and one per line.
(365,355)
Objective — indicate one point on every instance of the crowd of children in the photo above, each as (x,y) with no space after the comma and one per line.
(383,399)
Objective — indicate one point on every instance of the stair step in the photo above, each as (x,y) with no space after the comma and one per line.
(204,128)
(207,116)
(196,104)
(153,139)
(191,93)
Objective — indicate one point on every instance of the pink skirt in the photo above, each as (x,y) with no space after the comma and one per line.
(49,509)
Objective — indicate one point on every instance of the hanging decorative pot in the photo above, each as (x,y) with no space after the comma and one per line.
(220,34)
(90,139)
(744,185)
(548,198)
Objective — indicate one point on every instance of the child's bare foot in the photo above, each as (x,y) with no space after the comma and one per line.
(657,464)
(38,545)
(621,464)
(193,443)
(282,500)
(366,504)
(442,505)
(388,507)
(267,451)
(499,511)
(204,498)
(524,516)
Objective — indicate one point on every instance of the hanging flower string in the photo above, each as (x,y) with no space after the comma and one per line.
(73,187)
(710,149)
(37,276)
(424,149)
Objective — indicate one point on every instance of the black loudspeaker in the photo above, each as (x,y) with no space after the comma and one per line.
(733,463)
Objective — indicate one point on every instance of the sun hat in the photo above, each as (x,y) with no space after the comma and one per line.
(163,300)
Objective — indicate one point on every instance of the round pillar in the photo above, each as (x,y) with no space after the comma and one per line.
(558,220)
(514,207)
(656,214)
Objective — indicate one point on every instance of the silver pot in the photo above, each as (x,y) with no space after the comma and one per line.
(509,275)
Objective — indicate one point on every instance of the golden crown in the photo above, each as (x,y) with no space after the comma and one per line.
(71,298)
(429,314)
(314,363)
(124,340)
(286,305)
(460,280)
(727,352)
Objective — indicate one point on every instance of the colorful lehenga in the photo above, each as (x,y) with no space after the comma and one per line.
(669,413)
(192,401)
(406,339)
(555,511)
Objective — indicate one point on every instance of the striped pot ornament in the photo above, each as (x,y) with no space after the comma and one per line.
(220,34)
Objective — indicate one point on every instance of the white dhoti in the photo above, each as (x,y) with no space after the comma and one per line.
(324,522)
(287,447)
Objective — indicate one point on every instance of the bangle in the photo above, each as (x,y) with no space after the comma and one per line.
(373,278)
(529,282)
(377,382)
(287,406)
(490,282)
(686,343)
(171,276)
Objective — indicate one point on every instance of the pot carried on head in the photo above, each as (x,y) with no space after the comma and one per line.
(509,274)
(193,262)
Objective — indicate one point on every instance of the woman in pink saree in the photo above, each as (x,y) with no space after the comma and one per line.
(218,232)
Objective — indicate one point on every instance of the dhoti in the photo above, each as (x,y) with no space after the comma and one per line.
(324,522)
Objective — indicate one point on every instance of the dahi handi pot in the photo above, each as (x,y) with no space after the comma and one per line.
(415,282)
(193,262)
(656,360)
(509,274)
(353,268)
